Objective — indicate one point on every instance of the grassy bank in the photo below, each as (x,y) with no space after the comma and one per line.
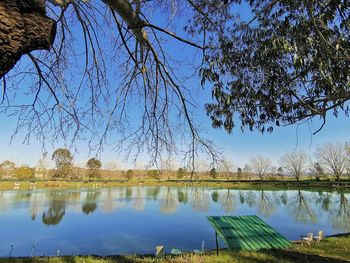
(332,249)
(234,184)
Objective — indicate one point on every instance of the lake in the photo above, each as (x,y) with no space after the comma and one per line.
(127,220)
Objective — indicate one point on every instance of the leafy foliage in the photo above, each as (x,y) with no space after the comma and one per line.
(64,161)
(181,173)
(154,174)
(7,167)
(129,174)
(288,64)
(93,163)
(213,173)
(62,157)
(24,172)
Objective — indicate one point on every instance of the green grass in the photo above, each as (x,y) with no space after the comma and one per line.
(333,249)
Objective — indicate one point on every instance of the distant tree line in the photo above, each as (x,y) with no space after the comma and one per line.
(330,160)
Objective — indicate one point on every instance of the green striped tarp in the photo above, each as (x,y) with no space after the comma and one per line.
(247,233)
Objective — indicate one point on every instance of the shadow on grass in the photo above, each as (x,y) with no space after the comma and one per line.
(296,256)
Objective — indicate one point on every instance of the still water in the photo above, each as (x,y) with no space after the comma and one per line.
(126,220)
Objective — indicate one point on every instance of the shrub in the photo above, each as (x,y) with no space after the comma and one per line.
(181,172)
(129,174)
(239,172)
(24,173)
(213,173)
(154,174)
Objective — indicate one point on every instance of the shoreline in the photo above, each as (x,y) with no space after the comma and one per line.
(334,248)
(310,185)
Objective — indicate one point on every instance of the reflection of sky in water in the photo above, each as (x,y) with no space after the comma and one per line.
(136,219)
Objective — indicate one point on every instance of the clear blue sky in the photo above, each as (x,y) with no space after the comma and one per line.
(238,147)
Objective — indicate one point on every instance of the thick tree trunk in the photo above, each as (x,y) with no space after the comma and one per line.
(24,27)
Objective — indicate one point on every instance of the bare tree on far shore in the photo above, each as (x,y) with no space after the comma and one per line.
(260,166)
(111,167)
(333,158)
(247,171)
(226,167)
(295,163)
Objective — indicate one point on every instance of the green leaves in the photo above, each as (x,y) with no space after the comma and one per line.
(290,64)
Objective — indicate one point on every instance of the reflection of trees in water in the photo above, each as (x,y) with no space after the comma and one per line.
(73,199)
(153,192)
(265,204)
(3,203)
(215,196)
(326,202)
(341,213)
(200,200)
(90,204)
(250,198)
(276,198)
(182,196)
(323,201)
(301,210)
(109,205)
(169,202)
(226,201)
(23,196)
(36,205)
(73,196)
(241,197)
(138,200)
(128,193)
(284,198)
(57,209)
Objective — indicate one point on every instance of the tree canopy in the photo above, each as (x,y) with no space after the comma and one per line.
(288,64)
(62,157)
(93,163)
(7,165)
(283,63)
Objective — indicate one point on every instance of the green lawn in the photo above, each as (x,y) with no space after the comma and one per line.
(333,249)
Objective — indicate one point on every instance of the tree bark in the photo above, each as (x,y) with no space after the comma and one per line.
(24,27)
(131,17)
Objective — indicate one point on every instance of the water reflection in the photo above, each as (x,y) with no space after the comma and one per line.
(301,210)
(265,204)
(250,198)
(226,201)
(326,202)
(111,200)
(139,201)
(300,206)
(341,213)
(153,192)
(182,196)
(56,210)
(284,198)
(200,199)
(215,196)
(90,204)
(169,202)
